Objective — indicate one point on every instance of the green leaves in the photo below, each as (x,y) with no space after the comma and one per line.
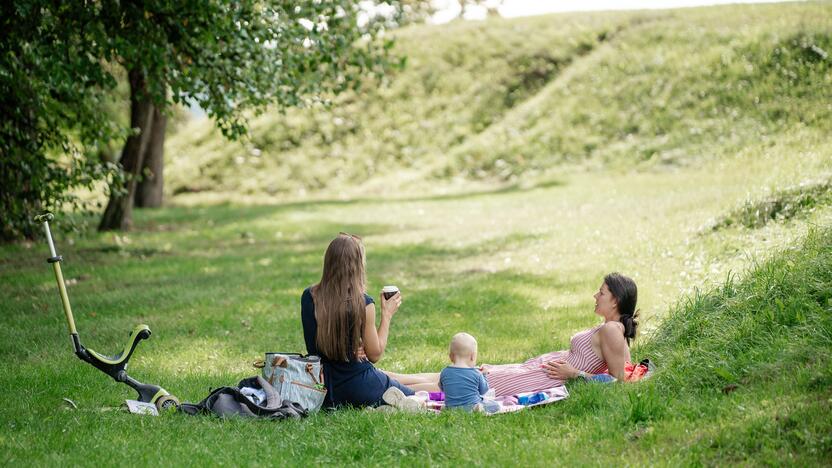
(58,59)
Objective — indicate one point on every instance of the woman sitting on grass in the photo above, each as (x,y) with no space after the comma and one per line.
(339,318)
(601,349)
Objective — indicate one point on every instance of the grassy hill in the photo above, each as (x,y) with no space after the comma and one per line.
(523,100)
(688,149)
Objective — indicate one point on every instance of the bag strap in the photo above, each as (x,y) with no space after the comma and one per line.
(309,371)
(261,364)
(281,361)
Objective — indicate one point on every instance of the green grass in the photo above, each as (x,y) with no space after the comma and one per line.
(219,285)
(624,138)
(528,99)
(783,205)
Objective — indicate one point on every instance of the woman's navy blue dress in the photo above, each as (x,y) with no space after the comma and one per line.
(356,383)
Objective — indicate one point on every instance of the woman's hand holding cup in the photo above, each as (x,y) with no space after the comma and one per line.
(391,299)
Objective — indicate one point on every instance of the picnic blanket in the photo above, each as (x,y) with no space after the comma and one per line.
(513,403)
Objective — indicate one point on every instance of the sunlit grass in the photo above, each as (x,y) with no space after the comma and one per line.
(528,99)
(510,252)
(220,285)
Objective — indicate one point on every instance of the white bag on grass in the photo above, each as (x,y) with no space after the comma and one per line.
(296,378)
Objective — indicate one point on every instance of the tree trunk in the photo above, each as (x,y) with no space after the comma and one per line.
(149,192)
(119,212)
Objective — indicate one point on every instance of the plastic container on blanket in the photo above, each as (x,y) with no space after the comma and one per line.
(531,398)
(491,406)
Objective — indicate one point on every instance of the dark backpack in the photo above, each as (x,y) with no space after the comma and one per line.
(229,401)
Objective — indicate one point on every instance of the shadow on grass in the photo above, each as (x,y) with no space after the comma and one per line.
(228,213)
(250,305)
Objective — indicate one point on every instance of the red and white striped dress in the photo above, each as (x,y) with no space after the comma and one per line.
(511,379)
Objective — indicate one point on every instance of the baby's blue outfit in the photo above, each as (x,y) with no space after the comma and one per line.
(463,386)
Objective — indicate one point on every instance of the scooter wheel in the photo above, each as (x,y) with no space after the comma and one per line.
(167,402)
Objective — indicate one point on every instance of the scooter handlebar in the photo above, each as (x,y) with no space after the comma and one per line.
(42,218)
(45,218)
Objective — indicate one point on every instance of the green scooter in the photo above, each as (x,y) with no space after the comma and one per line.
(114,366)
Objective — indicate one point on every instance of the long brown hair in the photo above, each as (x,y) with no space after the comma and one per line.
(339,299)
(625,292)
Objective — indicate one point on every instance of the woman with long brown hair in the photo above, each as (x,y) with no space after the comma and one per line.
(339,325)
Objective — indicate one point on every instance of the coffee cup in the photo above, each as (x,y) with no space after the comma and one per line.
(389,291)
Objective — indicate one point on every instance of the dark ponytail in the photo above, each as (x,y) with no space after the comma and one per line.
(630,325)
(625,292)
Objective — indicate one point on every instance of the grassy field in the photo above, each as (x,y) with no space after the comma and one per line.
(220,285)
(718,205)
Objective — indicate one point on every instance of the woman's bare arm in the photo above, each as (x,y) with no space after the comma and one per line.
(614,348)
(375,340)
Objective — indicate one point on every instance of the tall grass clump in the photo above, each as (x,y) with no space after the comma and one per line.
(773,325)
(780,206)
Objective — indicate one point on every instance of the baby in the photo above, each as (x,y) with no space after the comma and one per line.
(463,383)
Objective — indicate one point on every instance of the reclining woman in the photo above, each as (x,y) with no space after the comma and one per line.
(601,349)
(339,326)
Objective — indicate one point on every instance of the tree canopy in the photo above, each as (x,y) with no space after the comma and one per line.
(234,58)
